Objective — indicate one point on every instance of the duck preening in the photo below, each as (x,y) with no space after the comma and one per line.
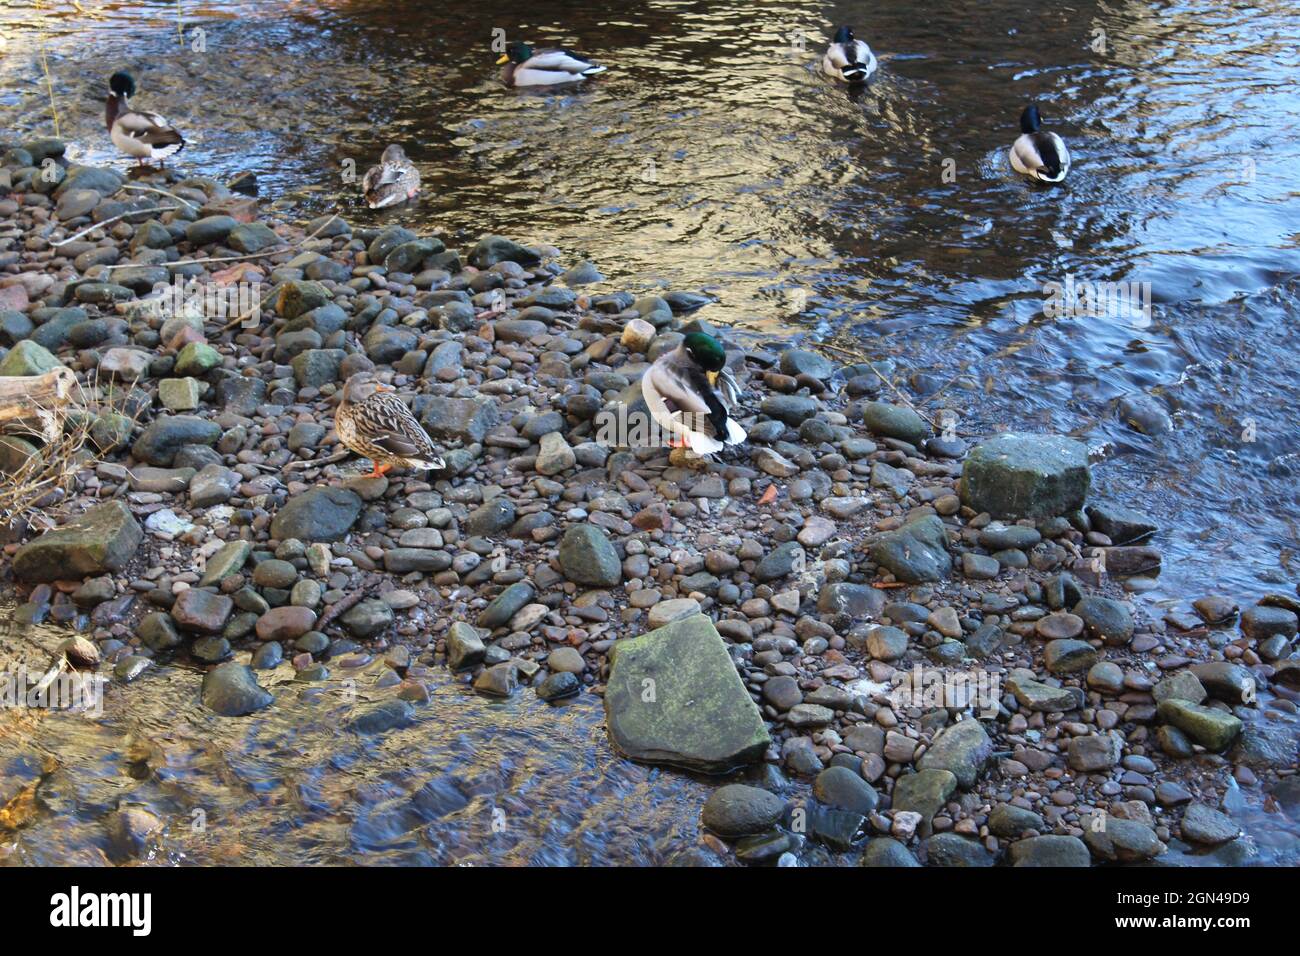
(373,422)
(679,391)
(1037,153)
(848,59)
(524,66)
(394,181)
(138,133)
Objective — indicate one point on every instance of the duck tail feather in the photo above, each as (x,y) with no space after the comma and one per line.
(702,444)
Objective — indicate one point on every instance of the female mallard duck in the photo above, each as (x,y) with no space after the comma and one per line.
(394,181)
(525,67)
(137,133)
(376,424)
(1040,155)
(678,390)
(848,59)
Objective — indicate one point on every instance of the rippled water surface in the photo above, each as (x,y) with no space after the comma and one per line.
(884,223)
(714,155)
(471,782)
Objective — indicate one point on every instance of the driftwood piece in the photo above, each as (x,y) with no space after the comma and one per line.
(32,404)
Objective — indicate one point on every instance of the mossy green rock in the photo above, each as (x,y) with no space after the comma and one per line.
(28,358)
(588,557)
(674,697)
(739,810)
(104,539)
(962,749)
(1026,476)
(300,297)
(1213,729)
(1050,851)
(229,560)
(232,690)
(180,394)
(197,358)
(15,452)
(915,553)
(1116,840)
(111,431)
(924,792)
(252,237)
(895,421)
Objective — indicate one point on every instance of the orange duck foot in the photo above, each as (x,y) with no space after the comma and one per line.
(379,471)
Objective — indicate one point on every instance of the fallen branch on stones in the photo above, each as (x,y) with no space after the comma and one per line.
(892,387)
(315,462)
(58,411)
(29,490)
(340,607)
(101,225)
(33,405)
(240,319)
(154,189)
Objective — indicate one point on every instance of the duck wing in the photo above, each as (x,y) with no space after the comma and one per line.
(149,128)
(1046,146)
(560,61)
(389,424)
(1042,155)
(697,405)
(729,387)
(375,176)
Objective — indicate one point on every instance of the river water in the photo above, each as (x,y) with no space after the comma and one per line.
(713,156)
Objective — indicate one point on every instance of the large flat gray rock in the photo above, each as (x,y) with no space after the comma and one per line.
(1026,476)
(674,697)
(102,540)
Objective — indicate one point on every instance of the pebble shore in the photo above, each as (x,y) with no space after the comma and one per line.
(789,601)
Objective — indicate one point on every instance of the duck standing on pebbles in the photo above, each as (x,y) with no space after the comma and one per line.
(522,66)
(1036,153)
(373,422)
(394,181)
(678,390)
(137,133)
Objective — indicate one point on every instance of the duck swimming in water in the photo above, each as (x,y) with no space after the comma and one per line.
(848,59)
(394,181)
(679,391)
(1036,153)
(524,66)
(138,133)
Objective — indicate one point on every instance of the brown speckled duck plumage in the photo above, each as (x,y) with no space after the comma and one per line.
(380,427)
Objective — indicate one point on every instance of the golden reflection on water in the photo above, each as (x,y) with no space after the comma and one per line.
(711,157)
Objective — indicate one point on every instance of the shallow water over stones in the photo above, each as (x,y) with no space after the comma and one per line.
(460,780)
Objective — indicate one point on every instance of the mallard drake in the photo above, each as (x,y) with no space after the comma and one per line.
(394,181)
(137,133)
(679,391)
(524,66)
(1038,154)
(848,59)
(376,424)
